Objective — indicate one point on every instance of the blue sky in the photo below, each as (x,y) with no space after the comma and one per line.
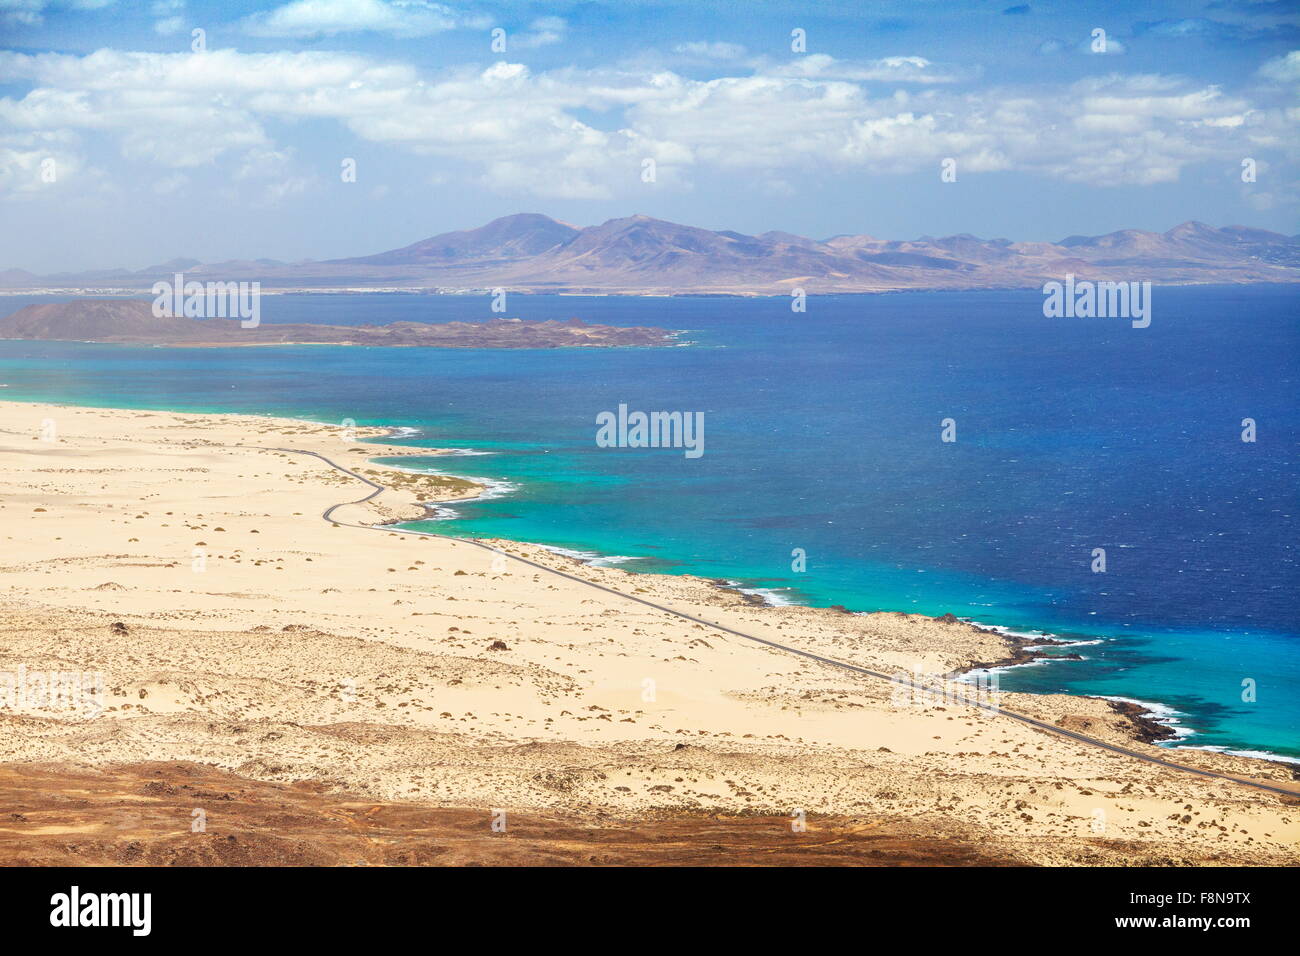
(237,150)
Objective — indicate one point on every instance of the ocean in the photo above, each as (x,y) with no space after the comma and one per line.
(824,478)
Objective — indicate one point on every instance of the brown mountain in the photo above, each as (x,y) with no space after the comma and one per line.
(638,254)
(95,320)
(131,321)
(511,237)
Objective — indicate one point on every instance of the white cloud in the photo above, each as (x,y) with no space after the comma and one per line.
(308,18)
(266,176)
(1283,194)
(22,12)
(43,163)
(519,132)
(890,69)
(706,50)
(1111,47)
(169,22)
(541,32)
(31,13)
(1284,69)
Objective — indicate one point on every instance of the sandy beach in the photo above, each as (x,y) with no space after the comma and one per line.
(243,640)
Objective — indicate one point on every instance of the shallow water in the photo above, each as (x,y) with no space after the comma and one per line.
(822,433)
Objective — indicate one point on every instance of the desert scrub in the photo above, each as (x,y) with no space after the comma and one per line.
(424,487)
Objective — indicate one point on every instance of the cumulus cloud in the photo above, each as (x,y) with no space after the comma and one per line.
(41,163)
(528,133)
(1284,69)
(311,18)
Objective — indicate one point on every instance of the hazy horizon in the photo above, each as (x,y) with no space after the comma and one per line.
(401,244)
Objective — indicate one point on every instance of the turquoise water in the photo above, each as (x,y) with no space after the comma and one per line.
(823,434)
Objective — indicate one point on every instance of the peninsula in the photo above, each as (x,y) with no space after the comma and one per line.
(132,322)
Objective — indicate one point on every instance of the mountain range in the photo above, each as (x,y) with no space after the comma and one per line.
(639,254)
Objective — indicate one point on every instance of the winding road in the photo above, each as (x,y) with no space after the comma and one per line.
(327,515)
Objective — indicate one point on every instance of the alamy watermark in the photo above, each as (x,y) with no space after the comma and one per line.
(651,430)
(75,908)
(920,689)
(81,692)
(1102,300)
(211,300)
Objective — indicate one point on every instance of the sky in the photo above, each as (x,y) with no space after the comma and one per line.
(135,133)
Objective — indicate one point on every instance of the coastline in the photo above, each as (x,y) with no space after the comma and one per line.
(128,292)
(481,686)
(1151,722)
(136,322)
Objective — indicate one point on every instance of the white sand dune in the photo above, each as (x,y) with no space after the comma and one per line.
(258,638)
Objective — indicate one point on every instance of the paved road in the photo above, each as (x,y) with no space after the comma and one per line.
(892,678)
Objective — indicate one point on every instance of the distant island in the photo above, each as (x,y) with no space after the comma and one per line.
(530,252)
(131,321)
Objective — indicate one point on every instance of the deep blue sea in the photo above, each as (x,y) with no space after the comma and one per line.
(822,433)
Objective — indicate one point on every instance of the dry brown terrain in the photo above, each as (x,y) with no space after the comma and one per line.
(143,814)
(249,648)
(132,321)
